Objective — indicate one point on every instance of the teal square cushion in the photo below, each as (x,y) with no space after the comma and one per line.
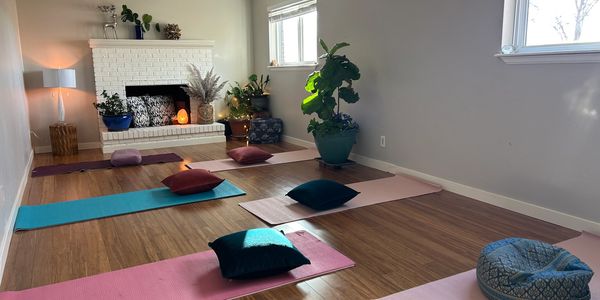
(256,253)
(322,194)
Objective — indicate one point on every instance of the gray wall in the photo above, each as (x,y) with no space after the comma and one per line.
(15,146)
(449,108)
(55,34)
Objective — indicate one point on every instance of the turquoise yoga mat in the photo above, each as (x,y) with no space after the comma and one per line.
(46,215)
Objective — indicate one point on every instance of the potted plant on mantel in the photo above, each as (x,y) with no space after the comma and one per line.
(257,89)
(240,110)
(141,26)
(114,112)
(335,133)
(202,92)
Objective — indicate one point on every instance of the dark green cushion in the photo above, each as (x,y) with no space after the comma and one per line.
(322,194)
(256,253)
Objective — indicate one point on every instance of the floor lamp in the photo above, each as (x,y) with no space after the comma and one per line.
(60,78)
(63,136)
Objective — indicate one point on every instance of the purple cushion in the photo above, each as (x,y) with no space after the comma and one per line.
(126,157)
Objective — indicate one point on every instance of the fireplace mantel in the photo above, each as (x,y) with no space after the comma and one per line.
(105,43)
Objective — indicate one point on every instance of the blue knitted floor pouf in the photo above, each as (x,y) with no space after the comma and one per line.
(526,269)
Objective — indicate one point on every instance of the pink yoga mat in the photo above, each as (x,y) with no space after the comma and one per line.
(278,158)
(282,209)
(190,277)
(464,286)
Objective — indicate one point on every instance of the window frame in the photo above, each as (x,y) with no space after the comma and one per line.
(275,33)
(513,48)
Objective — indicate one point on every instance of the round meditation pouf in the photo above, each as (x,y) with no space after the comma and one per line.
(517,268)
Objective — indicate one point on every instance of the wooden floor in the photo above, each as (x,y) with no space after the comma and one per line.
(396,245)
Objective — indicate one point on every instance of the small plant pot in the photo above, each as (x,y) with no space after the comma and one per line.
(239,128)
(335,148)
(139,32)
(260,103)
(117,123)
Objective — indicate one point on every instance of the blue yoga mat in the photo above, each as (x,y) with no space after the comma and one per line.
(46,215)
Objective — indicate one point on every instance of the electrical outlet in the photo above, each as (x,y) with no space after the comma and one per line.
(382,141)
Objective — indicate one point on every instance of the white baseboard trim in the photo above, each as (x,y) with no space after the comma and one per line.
(528,209)
(8,230)
(81,146)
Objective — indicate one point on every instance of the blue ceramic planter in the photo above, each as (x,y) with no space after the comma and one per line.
(117,123)
(335,148)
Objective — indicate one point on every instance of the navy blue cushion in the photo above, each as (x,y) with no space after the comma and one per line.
(256,253)
(322,194)
(517,268)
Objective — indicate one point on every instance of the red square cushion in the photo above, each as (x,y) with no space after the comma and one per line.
(249,155)
(192,182)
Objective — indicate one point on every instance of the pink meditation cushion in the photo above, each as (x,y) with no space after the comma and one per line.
(249,155)
(126,157)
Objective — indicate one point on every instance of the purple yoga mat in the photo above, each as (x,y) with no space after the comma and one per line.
(99,164)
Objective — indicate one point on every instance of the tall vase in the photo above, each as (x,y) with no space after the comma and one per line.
(139,32)
(206,113)
(194,102)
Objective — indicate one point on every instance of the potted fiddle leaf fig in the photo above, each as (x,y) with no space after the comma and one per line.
(114,112)
(334,132)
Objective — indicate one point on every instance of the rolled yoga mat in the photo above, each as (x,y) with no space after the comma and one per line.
(464,286)
(283,209)
(278,158)
(191,277)
(99,164)
(59,213)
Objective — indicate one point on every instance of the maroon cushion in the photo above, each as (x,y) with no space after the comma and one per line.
(126,157)
(249,155)
(192,182)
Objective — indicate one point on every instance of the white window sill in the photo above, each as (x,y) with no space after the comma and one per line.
(562,57)
(309,67)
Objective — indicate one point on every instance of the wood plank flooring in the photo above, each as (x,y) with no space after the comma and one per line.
(396,245)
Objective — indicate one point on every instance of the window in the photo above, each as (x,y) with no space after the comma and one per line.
(562,30)
(293,34)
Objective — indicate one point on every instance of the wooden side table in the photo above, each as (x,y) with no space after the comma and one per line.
(63,137)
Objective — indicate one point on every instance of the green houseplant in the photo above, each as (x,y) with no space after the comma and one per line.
(238,100)
(114,112)
(203,91)
(141,26)
(257,88)
(335,132)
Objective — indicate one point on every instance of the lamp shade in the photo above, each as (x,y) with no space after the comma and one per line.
(64,78)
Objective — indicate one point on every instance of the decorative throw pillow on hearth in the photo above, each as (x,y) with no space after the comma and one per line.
(137,106)
(161,109)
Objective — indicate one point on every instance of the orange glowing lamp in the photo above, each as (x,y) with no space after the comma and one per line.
(182,117)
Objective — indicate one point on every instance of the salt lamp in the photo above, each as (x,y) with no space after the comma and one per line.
(182,116)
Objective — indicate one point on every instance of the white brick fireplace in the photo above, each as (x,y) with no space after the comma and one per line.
(122,63)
